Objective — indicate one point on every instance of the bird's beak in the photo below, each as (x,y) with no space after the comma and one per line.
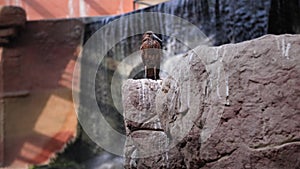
(156,37)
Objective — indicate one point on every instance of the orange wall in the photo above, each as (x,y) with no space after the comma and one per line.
(36,72)
(50,9)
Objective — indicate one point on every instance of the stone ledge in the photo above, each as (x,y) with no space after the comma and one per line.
(12,16)
(12,19)
(8,32)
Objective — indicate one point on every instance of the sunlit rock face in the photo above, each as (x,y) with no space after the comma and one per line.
(233,106)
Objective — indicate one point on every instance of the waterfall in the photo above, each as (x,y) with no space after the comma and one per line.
(226,21)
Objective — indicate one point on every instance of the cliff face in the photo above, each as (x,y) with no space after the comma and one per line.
(233,106)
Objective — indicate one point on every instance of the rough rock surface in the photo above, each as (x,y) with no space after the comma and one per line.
(233,106)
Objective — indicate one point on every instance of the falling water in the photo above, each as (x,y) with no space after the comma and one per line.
(225,20)
(167,153)
(143,102)
(227,90)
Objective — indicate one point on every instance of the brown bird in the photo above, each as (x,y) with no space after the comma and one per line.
(151,54)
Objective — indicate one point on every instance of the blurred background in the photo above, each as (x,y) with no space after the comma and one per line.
(42,9)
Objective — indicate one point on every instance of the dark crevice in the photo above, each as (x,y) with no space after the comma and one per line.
(146,129)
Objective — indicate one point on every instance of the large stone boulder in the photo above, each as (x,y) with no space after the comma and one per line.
(233,106)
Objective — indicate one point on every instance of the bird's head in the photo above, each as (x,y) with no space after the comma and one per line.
(151,35)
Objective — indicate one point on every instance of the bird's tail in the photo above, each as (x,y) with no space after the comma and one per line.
(152,73)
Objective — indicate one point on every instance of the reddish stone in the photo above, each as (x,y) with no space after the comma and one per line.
(37,69)
(3,41)
(12,16)
(8,32)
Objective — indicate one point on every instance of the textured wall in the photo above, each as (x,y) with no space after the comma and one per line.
(37,65)
(1,111)
(37,9)
(233,106)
